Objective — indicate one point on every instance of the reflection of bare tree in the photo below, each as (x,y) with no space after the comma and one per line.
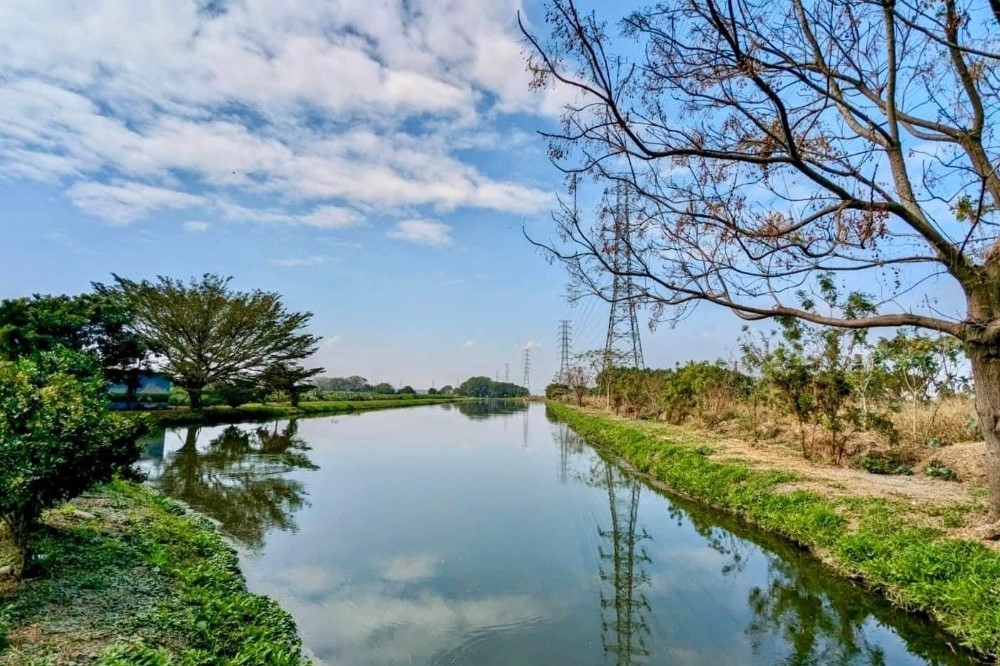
(239,479)
(623,613)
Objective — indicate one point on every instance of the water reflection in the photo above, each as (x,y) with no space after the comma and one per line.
(239,478)
(623,568)
(430,537)
(482,410)
(802,613)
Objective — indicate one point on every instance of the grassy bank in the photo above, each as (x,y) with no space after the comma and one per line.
(893,546)
(272,411)
(129,578)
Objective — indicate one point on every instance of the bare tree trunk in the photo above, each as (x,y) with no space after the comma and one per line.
(985,362)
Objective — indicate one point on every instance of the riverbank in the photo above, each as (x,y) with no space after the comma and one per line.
(129,577)
(912,549)
(272,411)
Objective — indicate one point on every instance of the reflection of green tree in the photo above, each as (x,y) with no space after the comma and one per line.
(239,479)
(623,613)
(820,617)
(818,627)
(479,410)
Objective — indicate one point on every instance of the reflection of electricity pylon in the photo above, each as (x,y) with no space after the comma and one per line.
(569,442)
(623,632)
(564,346)
(524,440)
(623,324)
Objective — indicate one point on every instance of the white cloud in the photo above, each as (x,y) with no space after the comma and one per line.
(126,202)
(292,262)
(331,341)
(422,232)
(409,568)
(531,344)
(469,344)
(196,226)
(333,108)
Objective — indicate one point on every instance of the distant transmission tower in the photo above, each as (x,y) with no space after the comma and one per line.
(506,373)
(565,337)
(623,324)
(527,368)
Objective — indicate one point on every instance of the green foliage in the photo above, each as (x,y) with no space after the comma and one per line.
(57,437)
(237,391)
(290,379)
(207,333)
(271,411)
(556,391)
(484,387)
(878,463)
(160,583)
(938,470)
(699,389)
(97,324)
(407,390)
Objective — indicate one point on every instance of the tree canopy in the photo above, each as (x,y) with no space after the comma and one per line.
(206,332)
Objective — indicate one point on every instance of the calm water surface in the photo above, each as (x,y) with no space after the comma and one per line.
(474,534)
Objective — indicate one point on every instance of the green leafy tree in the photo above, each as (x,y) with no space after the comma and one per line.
(97,324)
(206,332)
(57,437)
(290,379)
(238,391)
(384,388)
(407,390)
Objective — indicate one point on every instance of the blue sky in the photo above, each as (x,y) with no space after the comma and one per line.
(374,162)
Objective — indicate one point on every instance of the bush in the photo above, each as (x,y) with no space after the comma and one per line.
(57,437)
(938,470)
(884,464)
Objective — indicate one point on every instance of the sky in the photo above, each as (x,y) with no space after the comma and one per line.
(376,162)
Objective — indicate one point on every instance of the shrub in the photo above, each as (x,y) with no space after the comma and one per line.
(884,464)
(938,470)
(57,437)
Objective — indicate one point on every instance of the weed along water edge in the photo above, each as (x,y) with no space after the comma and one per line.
(465,534)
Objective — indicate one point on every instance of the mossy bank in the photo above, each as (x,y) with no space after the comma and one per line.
(126,576)
(891,545)
(272,411)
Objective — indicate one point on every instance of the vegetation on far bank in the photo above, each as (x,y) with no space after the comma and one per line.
(894,546)
(129,577)
(271,411)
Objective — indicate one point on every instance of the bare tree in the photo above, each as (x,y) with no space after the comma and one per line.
(763,146)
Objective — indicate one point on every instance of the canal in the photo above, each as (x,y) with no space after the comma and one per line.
(488,534)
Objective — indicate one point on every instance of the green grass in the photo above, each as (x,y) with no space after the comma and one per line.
(270,411)
(141,583)
(918,568)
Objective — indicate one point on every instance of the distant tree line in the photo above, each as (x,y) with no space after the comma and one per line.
(484,387)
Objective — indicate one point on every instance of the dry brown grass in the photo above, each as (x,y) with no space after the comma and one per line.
(922,434)
(947,421)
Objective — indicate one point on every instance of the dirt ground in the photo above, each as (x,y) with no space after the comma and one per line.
(839,480)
